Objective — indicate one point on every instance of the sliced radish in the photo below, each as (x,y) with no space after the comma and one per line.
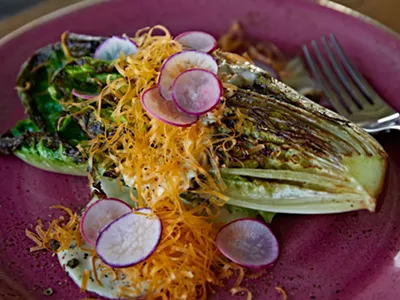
(179,62)
(165,111)
(196,91)
(197,40)
(267,68)
(82,95)
(99,215)
(111,48)
(130,239)
(248,242)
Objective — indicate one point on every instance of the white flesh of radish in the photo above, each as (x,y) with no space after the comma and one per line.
(179,62)
(130,239)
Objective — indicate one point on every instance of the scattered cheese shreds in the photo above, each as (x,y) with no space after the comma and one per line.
(93,262)
(159,161)
(85,279)
(282,291)
(255,275)
(57,233)
(234,291)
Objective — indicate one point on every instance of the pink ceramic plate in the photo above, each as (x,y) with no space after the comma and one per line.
(344,256)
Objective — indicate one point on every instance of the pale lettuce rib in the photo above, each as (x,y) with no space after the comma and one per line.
(284,197)
(324,181)
(311,205)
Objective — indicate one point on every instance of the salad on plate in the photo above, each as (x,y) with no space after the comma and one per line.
(191,146)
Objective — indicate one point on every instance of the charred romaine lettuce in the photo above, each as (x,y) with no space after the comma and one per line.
(46,118)
(292,155)
(232,212)
(86,75)
(288,155)
(46,152)
(36,73)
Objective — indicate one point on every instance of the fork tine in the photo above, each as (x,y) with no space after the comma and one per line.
(333,80)
(344,78)
(357,77)
(332,98)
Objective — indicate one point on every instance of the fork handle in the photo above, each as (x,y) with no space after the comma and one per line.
(393,125)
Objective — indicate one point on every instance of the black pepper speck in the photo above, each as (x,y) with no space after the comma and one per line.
(72,263)
(54,244)
(48,292)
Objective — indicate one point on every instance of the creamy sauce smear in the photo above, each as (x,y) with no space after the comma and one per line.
(110,286)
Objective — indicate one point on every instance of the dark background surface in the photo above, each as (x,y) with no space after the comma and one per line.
(11,7)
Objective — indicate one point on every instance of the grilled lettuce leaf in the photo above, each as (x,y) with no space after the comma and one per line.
(86,75)
(46,152)
(291,154)
(41,140)
(231,212)
(36,73)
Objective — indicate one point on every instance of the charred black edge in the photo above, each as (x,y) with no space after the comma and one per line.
(9,144)
(286,94)
(89,125)
(25,79)
(59,75)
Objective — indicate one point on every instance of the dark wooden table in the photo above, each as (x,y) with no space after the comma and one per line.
(384,11)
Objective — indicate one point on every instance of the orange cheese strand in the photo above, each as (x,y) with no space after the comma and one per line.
(64,234)
(85,279)
(282,291)
(234,291)
(160,161)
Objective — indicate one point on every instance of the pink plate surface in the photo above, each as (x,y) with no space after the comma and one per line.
(343,256)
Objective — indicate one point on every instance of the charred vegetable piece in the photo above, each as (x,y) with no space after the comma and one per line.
(293,155)
(24,126)
(85,74)
(36,73)
(46,152)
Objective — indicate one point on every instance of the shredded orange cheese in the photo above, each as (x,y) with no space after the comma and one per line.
(282,291)
(255,275)
(235,291)
(159,161)
(239,279)
(64,234)
(64,46)
(85,279)
(96,278)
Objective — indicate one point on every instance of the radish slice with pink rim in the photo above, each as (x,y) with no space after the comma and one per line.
(130,239)
(83,95)
(196,91)
(248,242)
(197,40)
(267,68)
(99,215)
(112,47)
(165,111)
(179,62)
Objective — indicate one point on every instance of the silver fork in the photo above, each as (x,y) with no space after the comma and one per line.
(346,89)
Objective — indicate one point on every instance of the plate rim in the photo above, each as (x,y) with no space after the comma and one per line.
(86,3)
